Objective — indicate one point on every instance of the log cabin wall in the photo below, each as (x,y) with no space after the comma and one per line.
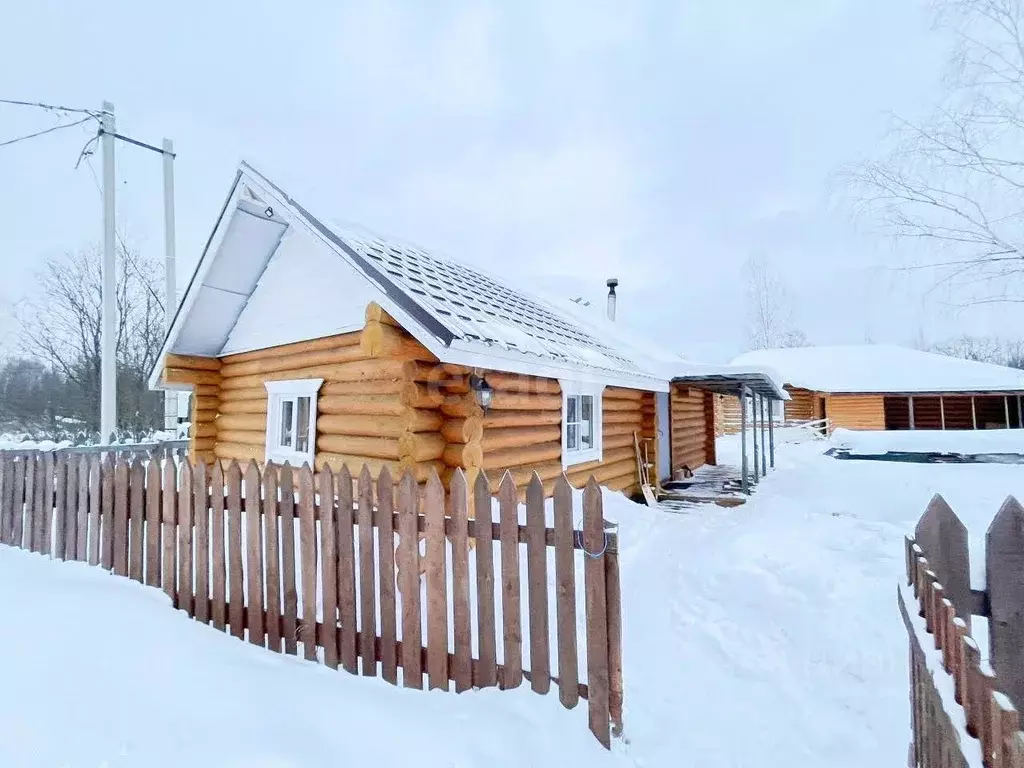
(202,376)
(855,411)
(522,431)
(801,405)
(727,414)
(691,416)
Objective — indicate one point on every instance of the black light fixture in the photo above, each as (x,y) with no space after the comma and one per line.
(483,391)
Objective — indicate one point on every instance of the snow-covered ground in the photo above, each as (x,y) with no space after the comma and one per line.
(761,635)
(968,442)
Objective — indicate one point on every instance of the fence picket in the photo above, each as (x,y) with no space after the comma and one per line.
(537,579)
(565,596)
(82,511)
(254,554)
(7,500)
(22,469)
(154,524)
(332,560)
(107,512)
(33,479)
(386,564)
(486,674)
(66,549)
(290,598)
(458,512)
(186,499)
(594,544)
(367,582)
(944,537)
(345,569)
(437,583)
(235,574)
(408,564)
(45,520)
(1004,562)
(168,535)
(512,624)
(218,566)
(273,559)
(307,551)
(201,520)
(60,506)
(119,539)
(136,526)
(95,508)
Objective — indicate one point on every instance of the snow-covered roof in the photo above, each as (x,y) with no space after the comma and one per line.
(461,314)
(878,368)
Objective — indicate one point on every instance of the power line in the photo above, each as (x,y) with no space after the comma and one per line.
(45,131)
(50,107)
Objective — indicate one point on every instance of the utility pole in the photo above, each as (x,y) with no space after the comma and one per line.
(108,364)
(170,280)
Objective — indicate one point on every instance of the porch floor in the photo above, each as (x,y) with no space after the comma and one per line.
(710,484)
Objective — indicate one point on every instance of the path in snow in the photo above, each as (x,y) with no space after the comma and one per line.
(769,634)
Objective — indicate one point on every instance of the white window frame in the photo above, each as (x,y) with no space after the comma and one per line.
(277,393)
(577,389)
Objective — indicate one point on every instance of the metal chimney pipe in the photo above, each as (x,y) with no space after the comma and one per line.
(612,284)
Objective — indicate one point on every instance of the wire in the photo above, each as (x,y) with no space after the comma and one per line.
(50,107)
(43,132)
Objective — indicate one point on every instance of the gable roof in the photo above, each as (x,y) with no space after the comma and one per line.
(881,368)
(461,314)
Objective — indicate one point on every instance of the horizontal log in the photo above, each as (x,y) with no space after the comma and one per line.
(244,406)
(622,417)
(355,371)
(206,390)
(355,464)
(469,430)
(455,386)
(602,473)
(361,424)
(416,370)
(248,393)
(203,417)
(512,382)
(238,451)
(423,420)
(203,430)
(253,422)
(617,441)
(612,406)
(282,364)
(193,362)
(202,443)
(418,395)
(362,387)
(610,430)
(503,419)
(621,393)
(516,457)
(205,403)
(243,437)
(422,446)
(380,340)
(628,482)
(515,437)
(462,407)
(188,376)
(310,345)
(611,456)
(370,447)
(465,455)
(522,475)
(457,370)
(374,312)
(516,401)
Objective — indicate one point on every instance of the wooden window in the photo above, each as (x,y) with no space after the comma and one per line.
(581,422)
(291,421)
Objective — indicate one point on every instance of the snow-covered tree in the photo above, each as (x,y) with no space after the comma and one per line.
(769,307)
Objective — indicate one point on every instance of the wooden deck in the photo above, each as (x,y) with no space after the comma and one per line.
(710,484)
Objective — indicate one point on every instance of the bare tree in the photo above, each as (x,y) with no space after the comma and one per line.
(769,307)
(984,349)
(955,182)
(62,324)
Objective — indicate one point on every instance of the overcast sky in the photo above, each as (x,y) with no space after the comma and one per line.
(657,142)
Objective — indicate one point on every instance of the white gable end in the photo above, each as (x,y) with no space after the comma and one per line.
(305,292)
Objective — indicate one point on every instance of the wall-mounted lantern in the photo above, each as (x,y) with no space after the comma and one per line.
(483,391)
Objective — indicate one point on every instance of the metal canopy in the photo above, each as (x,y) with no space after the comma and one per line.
(729,384)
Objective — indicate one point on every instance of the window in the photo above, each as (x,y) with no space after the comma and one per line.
(291,421)
(581,422)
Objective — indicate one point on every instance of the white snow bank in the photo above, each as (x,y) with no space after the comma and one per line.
(100,670)
(965,442)
(882,368)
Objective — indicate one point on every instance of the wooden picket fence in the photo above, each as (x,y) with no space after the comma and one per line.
(980,718)
(347,596)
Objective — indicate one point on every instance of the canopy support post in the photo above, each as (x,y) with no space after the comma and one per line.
(771,432)
(743,439)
